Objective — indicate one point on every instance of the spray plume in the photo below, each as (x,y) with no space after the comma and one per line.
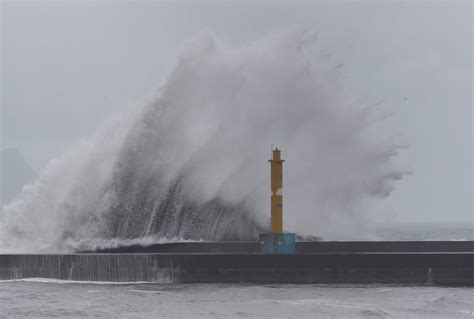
(192,163)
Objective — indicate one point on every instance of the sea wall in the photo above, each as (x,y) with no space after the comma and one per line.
(90,267)
(454,268)
(253,247)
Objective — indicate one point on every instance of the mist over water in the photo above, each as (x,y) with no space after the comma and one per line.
(192,162)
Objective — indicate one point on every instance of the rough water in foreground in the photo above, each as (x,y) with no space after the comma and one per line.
(33,299)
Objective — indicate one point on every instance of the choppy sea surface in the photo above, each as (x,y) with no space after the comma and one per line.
(29,299)
(422,231)
(43,298)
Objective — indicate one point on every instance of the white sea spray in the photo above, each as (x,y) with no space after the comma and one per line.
(192,163)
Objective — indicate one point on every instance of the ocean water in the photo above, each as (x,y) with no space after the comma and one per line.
(45,299)
(422,231)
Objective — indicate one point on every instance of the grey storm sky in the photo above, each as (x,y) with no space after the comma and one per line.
(67,66)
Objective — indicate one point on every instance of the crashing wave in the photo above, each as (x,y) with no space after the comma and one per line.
(192,163)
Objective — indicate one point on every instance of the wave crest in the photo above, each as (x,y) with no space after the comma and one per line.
(192,162)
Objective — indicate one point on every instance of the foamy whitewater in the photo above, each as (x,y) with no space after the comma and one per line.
(61,299)
(192,163)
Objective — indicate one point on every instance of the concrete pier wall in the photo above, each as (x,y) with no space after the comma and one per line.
(251,247)
(449,268)
(90,267)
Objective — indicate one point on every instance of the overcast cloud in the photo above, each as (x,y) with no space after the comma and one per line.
(66,67)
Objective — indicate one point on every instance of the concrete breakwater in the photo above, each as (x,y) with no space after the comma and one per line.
(454,266)
(303,247)
(90,267)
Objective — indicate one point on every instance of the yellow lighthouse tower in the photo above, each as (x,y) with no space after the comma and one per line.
(276,182)
(277,242)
